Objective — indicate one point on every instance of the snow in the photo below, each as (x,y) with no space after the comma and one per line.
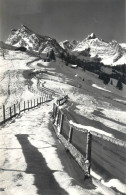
(62,45)
(121,61)
(96,86)
(14,162)
(40,136)
(87,105)
(73,65)
(89,129)
(123,45)
(87,111)
(110,53)
(116,115)
(116,184)
(118,100)
(95,175)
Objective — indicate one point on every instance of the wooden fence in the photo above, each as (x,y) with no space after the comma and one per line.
(14,110)
(61,100)
(65,132)
(90,149)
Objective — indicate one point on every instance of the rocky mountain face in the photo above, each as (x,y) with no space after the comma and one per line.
(111,53)
(24,37)
(69,45)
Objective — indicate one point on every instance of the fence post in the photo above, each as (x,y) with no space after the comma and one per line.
(34,103)
(19,107)
(61,123)
(53,114)
(10,112)
(57,117)
(31,103)
(40,100)
(14,109)
(4,113)
(70,134)
(37,101)
(88,150)
(24,106)
(28,104)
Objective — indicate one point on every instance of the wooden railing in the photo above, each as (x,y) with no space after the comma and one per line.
(14,110)
(91,149)
(65,131)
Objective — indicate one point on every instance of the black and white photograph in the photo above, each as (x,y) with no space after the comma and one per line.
(62,97)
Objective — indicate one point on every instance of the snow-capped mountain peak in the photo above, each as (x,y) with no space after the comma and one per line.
(32,41)
(91,36)
(110,53)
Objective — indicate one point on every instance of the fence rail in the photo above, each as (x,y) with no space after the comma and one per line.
(91,149)
(14,110)
(66,134)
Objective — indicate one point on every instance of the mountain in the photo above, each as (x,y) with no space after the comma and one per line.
(111,53)
(68,45)
(123,45)
(25,37)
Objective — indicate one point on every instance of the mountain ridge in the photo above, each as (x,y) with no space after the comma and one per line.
(110,53)
(32,41)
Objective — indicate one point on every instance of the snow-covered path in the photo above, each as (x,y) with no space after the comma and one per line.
(33,161)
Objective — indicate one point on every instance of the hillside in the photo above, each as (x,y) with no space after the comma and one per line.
(84,88)
(91,103)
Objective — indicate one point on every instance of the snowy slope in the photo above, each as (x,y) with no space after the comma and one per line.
(87,101)
(32,41)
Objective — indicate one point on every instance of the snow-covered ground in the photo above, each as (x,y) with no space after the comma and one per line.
(94,85)
(34,162)
(15,86)
(89,129)
(87,106)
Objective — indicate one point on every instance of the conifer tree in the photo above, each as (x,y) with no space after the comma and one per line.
(111,82)
(52,55)
(119,84)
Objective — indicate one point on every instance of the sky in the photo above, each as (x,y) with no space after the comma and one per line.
(66,19)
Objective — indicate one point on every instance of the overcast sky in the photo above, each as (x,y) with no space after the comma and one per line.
(65,19)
